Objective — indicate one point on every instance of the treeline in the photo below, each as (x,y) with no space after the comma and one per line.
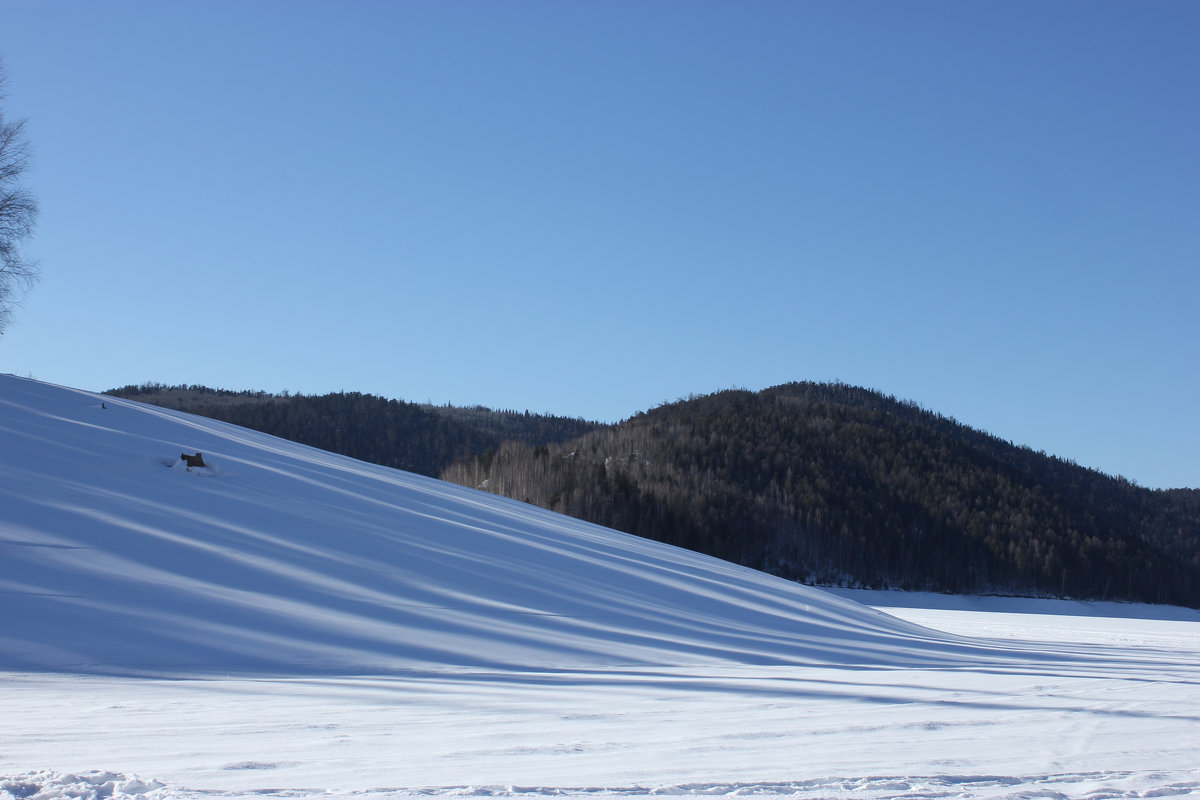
(418,438)
(832,484)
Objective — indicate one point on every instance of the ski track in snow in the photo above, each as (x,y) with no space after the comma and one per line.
(291,623)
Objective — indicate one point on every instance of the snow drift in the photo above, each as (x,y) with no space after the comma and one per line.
(276,557)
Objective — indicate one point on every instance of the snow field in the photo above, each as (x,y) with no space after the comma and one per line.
(754,730)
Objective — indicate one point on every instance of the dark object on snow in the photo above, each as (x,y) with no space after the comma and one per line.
(193,461)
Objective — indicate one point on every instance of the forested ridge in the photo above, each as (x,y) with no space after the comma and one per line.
(420,438)
(832,484)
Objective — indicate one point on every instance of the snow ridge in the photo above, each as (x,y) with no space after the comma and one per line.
(92,785)
(97,785)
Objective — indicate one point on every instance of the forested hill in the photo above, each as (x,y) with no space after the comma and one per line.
(832,484)
(409,436)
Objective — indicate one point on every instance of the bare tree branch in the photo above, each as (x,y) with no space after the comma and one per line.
(18,214)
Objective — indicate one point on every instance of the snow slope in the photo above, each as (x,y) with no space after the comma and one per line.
(285,559)
(290,622)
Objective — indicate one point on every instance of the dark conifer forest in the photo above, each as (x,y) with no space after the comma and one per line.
(416,437)
(821,483)
(831,484)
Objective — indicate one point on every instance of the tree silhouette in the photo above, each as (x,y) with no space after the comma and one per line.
(18,213)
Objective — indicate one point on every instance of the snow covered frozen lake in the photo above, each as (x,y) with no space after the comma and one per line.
(292,623)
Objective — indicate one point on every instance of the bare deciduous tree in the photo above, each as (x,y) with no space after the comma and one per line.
(18,213)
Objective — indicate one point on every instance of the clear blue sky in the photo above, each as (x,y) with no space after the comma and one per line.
(589,208)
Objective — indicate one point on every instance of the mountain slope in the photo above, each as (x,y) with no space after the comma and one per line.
(279,557)
(839,485)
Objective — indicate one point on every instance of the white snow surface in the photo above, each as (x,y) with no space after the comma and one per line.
(288,622)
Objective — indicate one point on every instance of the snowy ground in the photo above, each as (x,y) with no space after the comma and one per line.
(1125,723)
(296,624)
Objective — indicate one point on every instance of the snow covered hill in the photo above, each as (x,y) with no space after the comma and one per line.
(277,557)
(287,622)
